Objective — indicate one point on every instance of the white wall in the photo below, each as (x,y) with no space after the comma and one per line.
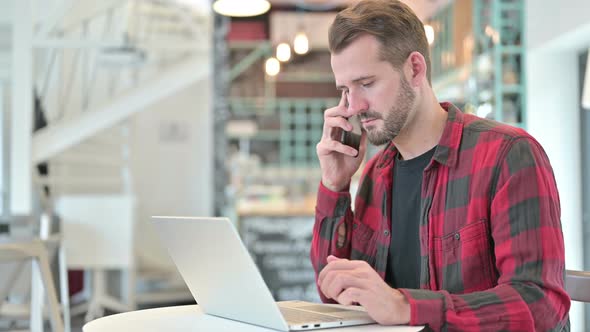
(557,31)
(550,21)
(554,99)
(553,119)
(172,175)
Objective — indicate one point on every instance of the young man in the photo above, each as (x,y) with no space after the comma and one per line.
(457,220)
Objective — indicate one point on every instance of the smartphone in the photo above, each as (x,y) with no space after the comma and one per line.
(352,138)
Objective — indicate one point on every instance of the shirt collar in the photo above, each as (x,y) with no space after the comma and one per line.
(447,151)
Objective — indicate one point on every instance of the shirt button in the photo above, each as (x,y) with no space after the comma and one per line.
(386,232)
(457,236)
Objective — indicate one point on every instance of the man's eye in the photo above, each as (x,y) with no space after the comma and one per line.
(366,85)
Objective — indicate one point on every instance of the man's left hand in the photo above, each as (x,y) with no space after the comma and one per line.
(350,282)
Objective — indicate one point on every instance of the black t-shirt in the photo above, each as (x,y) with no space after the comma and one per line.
(403,264)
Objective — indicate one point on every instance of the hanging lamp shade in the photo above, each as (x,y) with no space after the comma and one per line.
(283,52)
(272,66)
(301,43)
(241,8)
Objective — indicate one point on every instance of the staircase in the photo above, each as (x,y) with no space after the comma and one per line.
(96,65)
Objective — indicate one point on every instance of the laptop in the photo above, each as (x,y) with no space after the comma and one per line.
(225,282)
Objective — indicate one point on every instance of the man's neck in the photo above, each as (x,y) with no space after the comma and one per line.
(424,131)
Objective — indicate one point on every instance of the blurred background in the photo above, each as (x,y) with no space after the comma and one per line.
(113,111)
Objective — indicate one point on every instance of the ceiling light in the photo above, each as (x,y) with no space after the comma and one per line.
(301,43)
(429,30)
(241,8)
(283,52)
(272,66)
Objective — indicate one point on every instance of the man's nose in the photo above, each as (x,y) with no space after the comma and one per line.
(356,104)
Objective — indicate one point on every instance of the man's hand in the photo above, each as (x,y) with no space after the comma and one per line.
(338,162)
(350,282)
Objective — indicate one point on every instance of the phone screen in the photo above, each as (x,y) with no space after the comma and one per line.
(352,138)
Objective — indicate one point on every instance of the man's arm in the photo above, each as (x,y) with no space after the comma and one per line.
(338,163)
(529,251)
(331,235)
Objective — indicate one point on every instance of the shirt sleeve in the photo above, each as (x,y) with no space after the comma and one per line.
(529,252)
(333,215)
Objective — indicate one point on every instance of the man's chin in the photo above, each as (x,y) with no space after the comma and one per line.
(378,140)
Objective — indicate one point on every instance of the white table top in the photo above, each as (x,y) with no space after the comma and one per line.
(191,318)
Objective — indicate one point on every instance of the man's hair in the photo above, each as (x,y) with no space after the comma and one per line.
(391,22)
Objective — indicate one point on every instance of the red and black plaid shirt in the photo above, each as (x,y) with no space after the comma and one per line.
(492,252)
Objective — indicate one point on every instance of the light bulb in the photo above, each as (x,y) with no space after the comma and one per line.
(241,8)
(301,43)
(283,52)
(272,67)
(429,30)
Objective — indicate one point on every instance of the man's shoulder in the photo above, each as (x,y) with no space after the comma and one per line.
(477,125)
(493,137)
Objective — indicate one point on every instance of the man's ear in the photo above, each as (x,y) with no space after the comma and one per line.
(416,69)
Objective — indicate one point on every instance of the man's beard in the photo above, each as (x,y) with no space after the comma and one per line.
(395,118)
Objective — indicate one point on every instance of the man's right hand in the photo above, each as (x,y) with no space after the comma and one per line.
(338,162)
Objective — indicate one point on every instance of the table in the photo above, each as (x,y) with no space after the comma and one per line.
(191,318)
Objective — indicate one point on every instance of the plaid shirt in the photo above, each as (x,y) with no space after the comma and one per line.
(492,252)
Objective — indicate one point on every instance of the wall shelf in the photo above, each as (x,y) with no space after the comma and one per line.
(491,74)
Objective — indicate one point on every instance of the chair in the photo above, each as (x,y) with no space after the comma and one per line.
(17,250)
(98,236)
(36,251)
(577,285)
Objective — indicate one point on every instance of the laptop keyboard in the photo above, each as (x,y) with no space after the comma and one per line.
(295,316)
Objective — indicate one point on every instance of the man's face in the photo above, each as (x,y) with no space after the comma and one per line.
(376,91)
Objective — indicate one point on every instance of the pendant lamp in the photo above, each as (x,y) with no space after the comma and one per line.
(241,8)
